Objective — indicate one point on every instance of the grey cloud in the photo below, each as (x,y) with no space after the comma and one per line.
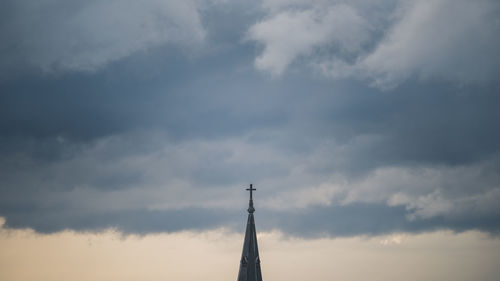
(57,36)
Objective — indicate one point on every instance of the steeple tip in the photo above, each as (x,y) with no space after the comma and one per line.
(251,209)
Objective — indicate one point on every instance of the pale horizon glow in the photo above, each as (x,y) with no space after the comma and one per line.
(214,255)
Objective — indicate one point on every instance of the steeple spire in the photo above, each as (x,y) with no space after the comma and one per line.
(250,261)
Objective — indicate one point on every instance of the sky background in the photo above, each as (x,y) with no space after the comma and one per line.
(130,129)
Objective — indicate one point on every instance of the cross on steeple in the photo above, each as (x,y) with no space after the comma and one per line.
(251,209)
(251,189)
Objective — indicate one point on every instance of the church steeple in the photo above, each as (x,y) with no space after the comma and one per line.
(250,261)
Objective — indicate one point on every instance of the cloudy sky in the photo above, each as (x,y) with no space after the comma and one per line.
(369,128)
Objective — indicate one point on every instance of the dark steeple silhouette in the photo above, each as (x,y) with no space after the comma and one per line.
(250,261)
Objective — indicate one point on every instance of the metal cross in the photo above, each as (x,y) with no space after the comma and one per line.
(251,189)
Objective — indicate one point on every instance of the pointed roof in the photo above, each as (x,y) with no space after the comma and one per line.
(250,261)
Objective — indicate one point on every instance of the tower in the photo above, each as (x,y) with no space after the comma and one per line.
(250,261)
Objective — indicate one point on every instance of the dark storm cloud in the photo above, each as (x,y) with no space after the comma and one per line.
(130,222)
(367,219)
(164,139)
(356,219)
(86,106)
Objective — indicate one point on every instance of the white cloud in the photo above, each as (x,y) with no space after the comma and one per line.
(55,35)
(455,40)
(394,239)
(385,43)
(452,192)
(291,33)
(430,205)
(460,192)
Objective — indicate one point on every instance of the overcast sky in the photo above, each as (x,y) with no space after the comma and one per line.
(154,116)
(350,117)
